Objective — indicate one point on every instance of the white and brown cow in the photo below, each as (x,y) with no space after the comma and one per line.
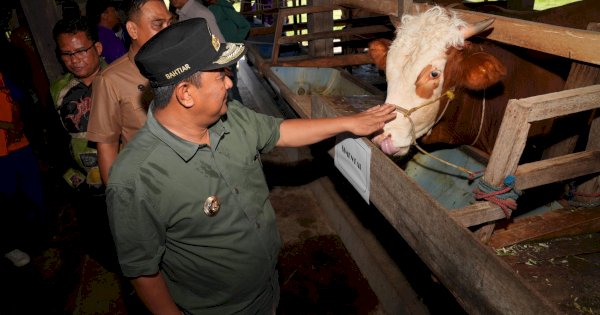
(428,57)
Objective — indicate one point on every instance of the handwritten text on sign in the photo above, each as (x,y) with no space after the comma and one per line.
(353,159)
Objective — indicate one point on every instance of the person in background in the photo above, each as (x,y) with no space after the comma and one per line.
(187,9)
(121,94)
(103,13)
(79,50)
(234,28)
(187,197)
(20,174)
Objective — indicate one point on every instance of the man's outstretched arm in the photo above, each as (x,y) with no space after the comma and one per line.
(300,132)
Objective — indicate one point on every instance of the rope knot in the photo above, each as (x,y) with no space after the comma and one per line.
(505,196)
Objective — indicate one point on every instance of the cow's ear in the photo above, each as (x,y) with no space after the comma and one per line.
(481,70)
(378,50)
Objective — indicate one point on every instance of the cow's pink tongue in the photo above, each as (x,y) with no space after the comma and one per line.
(387,147)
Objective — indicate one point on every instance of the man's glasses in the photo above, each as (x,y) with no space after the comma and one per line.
(79,54)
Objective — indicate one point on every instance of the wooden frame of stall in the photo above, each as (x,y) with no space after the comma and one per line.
(483,283)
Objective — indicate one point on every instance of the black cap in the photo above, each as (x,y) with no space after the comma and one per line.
(183,49)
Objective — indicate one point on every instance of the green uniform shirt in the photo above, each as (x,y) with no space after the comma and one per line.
(222,264)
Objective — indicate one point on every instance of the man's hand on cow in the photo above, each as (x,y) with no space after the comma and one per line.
(372,120)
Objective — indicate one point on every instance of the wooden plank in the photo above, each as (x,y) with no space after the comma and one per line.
(592,186)
(308,9)
(41,16)
(562,103)
(256,59)
(386,7)
(389,284)
(404,6)
(480,280)
(276,40)
(320,22)
(581,45)
(257,31)
(510,143)
(333,61)
(552,170)
(477,213)
(561,222)
(335,34)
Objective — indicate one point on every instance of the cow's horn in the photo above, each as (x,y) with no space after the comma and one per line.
(474,29)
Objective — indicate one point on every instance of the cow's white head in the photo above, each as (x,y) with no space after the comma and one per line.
(415,64)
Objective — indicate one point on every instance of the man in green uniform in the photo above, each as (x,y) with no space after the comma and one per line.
(187,198)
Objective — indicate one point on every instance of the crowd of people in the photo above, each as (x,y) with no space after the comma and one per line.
(163,160)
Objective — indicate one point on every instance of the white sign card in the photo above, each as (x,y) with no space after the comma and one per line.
(353,159)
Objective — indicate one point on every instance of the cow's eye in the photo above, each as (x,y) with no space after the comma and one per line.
(435,74)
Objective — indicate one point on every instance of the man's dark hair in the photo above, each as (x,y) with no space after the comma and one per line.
(73,26)
(162,94)
(95,8)
(133,8)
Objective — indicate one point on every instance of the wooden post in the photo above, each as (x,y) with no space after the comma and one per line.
(591,186)
(510,143)
(320,22)
(404,7)
(41,16)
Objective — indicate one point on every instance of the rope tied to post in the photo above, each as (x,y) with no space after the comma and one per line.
(505,196)
(579,199)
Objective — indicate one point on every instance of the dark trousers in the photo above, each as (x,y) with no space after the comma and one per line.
(96,238)
(20,217)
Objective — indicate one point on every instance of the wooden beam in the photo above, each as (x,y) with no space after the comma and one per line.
(333,61)
(404,6)
(510,143)
(257,31)
(320,22)
(477,213)
(558,168)
(592,186)
(580,45)
(387,7)
(335,34)
(562,103)
(560,222)
(389,284)
(41,16)
(481,281)
(516,122)
(277,38)
(308,9)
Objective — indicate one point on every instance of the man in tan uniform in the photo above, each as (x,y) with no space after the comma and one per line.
(121,95)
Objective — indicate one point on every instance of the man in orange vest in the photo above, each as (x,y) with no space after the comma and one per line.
(19,169)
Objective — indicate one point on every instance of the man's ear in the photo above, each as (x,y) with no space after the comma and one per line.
(183,94)
(98,45)
(131,29)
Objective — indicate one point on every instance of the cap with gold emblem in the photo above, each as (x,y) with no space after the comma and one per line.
(183,49)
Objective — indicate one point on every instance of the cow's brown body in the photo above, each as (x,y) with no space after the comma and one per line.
(528,73)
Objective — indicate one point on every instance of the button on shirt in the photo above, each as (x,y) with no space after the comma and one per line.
(222,264)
